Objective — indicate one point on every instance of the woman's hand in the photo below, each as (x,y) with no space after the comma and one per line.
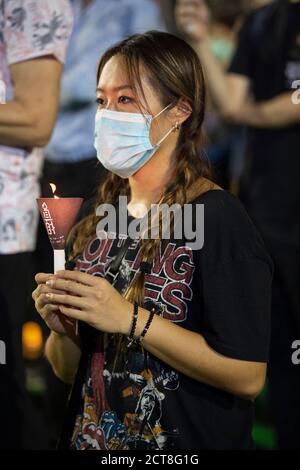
(193,19)
(90,299)
(48,311)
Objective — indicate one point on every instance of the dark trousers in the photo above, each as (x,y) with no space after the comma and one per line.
(16,272)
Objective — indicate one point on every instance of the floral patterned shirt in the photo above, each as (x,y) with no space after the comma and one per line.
(28,29)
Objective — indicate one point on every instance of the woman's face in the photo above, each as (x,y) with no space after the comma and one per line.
(114,93)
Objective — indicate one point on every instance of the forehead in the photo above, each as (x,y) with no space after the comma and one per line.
(114,74)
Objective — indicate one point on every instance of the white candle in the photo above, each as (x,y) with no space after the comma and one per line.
(59,260)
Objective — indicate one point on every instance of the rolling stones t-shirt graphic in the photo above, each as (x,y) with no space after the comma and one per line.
(168,284)
(137,385)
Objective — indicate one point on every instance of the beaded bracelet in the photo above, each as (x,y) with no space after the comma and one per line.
(147,326)
(130,337)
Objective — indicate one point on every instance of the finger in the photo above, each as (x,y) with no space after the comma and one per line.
(51,308)
(72,313)
(45,288)
(68,286)
(41,278)
(78,276)
(65,299)
(41,302)
(34,294)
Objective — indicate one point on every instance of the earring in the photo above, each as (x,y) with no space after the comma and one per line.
(176,127)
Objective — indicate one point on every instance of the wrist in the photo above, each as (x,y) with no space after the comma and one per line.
(55,334)
(126,318)
(141,321)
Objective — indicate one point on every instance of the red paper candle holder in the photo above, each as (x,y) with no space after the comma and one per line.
(59,215)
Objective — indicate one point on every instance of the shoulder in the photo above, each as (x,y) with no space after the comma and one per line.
(222,207)
(260,18)
(229,233)
(256,22)
(28,26)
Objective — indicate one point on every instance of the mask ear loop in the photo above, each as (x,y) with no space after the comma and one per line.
(173,129)
(149,120)
(160,112)
(176,127)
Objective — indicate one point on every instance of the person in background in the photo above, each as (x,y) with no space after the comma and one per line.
(226,21)
(225,139)
(258,91)
(167,11)
(33,41)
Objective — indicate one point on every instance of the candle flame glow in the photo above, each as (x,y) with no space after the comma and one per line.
(53,187)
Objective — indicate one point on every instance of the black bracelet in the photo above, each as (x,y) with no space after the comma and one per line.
(147,326)
(130,337)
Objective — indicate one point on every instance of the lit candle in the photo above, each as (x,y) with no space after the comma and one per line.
(59,215)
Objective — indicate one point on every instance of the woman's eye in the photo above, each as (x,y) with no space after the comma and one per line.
(125,99)
(121,99)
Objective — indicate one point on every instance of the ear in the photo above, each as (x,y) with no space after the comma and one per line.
(180,112)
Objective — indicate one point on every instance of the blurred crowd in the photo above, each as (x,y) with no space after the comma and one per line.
(49,50)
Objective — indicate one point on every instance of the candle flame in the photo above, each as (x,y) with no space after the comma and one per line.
(53,187)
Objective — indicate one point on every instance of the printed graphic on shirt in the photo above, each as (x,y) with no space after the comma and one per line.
(169,283)
(136,385)
(134,418)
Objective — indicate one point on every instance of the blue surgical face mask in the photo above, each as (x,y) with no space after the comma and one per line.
(222,49)
(122,140)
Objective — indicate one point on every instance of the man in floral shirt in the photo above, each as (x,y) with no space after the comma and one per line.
(33,42)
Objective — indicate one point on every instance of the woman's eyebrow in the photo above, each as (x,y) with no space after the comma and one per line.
(118,88)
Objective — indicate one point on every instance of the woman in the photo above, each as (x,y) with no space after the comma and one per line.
(190,382)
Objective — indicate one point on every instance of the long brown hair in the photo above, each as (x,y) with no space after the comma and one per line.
(174,70)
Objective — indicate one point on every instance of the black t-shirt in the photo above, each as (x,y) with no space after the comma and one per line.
(221,292)
(273,163)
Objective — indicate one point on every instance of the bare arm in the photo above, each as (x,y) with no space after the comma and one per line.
(63,347)
(64,355)
(231,92)
(189,353)
(228,91)
(27,121)
(94,301)
(281,111)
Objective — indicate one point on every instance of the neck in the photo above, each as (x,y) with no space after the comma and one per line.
(148,188)
(149,184)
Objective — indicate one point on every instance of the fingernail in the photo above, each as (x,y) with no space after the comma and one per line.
(49,282)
